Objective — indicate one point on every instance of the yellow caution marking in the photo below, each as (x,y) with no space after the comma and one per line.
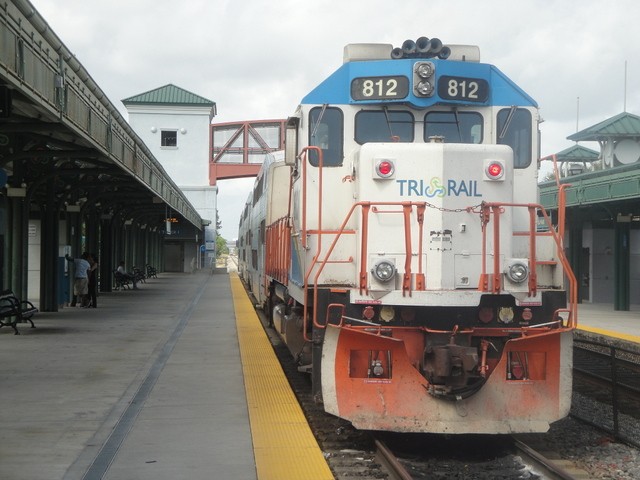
(283,444)
(611,333)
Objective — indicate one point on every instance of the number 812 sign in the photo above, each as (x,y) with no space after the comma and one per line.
(379,88)
(461,88)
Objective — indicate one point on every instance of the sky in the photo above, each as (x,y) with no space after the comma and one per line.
(256,59)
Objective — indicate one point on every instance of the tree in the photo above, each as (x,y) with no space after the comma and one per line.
(221,243)
(218,223)
(221,246)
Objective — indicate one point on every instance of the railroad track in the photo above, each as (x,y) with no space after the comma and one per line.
(474,457)
(548,468)
(353,454)
(390,462)
(610,364)
(607,377)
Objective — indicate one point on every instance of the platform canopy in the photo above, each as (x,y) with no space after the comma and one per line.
(623,125)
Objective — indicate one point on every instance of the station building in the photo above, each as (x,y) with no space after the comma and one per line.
(603,210)
(174,124)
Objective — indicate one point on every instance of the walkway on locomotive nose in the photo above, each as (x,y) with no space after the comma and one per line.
(148,386)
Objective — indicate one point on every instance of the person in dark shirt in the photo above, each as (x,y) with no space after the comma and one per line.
(93,280)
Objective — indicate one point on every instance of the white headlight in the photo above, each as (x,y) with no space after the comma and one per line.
(424,88)
(517,271)
(424,70)
(384,270)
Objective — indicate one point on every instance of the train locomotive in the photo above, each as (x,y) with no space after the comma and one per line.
(398,247)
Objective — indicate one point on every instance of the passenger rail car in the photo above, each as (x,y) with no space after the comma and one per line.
(398,247)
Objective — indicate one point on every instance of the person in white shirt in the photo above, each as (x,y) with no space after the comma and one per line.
(80,279)
(126,274)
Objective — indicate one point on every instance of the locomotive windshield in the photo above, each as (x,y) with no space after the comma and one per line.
(454,127)
(383,126)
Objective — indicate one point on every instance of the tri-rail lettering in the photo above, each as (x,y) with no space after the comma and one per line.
(436,187)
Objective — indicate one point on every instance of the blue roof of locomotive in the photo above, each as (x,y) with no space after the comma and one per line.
(336,89)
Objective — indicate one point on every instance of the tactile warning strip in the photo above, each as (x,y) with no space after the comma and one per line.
(610,333)
(283,444)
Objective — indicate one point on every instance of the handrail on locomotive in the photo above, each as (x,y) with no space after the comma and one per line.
(486,211)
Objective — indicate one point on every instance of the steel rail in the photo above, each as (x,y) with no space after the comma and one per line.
(387,459)
(542,464)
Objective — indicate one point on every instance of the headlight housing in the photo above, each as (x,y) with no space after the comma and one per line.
(424,69)
(517,271)
(424,79)
(384,271)
(424,88)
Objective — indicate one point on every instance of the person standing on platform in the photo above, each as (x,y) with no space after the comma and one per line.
(81,279)
(93,280)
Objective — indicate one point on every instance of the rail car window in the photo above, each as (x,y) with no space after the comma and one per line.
(383,126)
(514,129)
(326,130)
(454,127)
(257,191)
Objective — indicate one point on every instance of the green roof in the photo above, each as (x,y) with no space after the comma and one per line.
(168,95)
(577,153)
(623,125)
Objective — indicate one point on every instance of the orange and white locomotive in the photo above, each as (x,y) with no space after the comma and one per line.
(399,249)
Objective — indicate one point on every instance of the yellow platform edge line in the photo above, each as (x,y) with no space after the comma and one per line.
(277,456)
(611,333)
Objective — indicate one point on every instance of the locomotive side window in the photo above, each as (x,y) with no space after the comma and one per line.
(455,127)
(383,126)
(514,129)
(257,192)
(326,127)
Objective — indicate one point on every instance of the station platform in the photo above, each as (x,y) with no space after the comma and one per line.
(171,381)
(176,380)
(601,319)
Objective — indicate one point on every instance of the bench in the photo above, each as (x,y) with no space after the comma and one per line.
(12,311)
(151,272)
(121,281)
(139,275)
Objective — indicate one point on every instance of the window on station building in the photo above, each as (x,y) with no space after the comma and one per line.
(169,138)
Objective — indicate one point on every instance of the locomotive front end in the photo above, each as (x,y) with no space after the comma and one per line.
(443,332)
(413,273)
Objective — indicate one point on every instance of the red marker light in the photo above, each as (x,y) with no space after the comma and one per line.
(495,170)
(385,168)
